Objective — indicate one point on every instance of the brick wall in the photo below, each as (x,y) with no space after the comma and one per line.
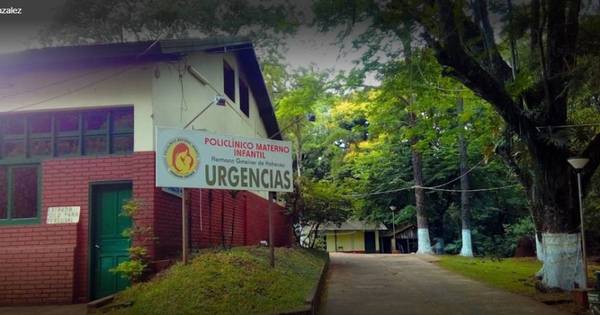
(44,263)
(36,263)
(30,254)
(242,217)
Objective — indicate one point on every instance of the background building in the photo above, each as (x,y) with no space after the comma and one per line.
(352,236)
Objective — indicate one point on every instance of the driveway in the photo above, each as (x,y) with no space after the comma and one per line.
(407,284)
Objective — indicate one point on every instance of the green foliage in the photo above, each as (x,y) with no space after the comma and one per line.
(236,281)
(134,268)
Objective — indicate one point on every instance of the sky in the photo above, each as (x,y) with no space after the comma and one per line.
(19,32)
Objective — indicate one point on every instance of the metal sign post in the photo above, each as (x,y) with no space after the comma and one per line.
(184,229)
(271,245)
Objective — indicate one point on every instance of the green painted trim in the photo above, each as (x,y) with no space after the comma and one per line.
(54,135)
(9,209)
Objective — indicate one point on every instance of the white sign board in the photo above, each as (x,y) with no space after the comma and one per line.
(60,215)
(175,191)
(198,159)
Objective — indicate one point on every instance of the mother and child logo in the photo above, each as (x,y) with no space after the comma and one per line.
(181,158)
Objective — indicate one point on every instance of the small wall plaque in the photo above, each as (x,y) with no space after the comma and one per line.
(61,215)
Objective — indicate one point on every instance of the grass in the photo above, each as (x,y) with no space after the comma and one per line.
(512,274)
(236,281)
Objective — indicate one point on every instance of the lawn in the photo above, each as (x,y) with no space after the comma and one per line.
(512,274)
(236,281)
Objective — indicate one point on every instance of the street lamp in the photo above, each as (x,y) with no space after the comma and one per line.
(578,164)
(394,249)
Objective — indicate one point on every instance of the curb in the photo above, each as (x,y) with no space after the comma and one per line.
(313,298)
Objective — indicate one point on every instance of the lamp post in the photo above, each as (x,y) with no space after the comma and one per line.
(578,164)
(394,249)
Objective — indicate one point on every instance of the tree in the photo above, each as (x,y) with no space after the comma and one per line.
(465,206)
(322,202)
(539,94)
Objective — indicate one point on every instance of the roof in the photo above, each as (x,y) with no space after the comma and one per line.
(145,51)
(401,229)
(353,225)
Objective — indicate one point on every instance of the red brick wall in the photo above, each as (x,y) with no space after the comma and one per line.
(36,263)
(66,182)
(44,263)
(245,224)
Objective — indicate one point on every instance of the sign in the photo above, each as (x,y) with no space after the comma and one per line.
(175,191)
(199,159)
(60,215)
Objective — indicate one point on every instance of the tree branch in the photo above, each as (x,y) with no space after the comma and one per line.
(450,52)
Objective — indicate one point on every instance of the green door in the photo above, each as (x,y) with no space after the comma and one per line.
(108,246)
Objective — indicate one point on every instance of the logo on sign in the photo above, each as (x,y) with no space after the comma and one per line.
(181,158)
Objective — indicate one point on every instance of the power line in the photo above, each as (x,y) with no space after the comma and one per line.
(72,91)
(434,189)
(468,190)
(76,77)
(39,88)
(461,176)
(412,187)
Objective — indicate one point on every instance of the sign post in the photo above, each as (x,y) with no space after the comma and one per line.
(271,245)
(184,229)
(199,159)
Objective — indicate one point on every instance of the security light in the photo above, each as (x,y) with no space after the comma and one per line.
(578,163)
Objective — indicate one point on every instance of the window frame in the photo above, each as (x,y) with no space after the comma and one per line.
(244,98)
(78,134)
(227,68)
(9,198)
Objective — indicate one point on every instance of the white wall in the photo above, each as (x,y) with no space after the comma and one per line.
(170,112)
(84,88)
(153,89)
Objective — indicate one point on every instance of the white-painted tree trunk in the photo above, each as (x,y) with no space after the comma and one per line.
(563,267)
(539,249)
(467,248)
(539,252)
(424,242)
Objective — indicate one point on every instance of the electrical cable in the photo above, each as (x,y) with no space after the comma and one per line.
(126,69)
(21,107)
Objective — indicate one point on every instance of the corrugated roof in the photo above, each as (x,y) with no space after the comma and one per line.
(353,225)
(145,51)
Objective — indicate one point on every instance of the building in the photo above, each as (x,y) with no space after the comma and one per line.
(352,236)
(77,140)
(406,240)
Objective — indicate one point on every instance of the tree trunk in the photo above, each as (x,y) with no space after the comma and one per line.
(553,33)
(424,243)
(465,207)
(556,215)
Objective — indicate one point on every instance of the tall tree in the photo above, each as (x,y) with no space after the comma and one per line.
(465,205)
(534,106)
(424,243)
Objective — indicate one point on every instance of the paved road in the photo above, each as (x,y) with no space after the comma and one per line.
(406,284)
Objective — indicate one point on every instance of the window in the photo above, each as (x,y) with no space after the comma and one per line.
(244,99)
(33,137)
(19,194)
(228,81)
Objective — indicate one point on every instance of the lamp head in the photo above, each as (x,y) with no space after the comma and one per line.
(393,208)
(578,163)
